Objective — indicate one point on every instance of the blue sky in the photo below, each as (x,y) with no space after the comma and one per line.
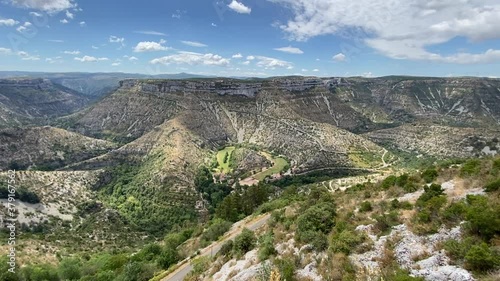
(253,37)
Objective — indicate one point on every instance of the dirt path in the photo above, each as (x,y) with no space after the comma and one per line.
(185,266)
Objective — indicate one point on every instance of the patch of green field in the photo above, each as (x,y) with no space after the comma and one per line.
(224,159)
(279,165)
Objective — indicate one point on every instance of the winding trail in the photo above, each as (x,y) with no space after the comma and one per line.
(185,266)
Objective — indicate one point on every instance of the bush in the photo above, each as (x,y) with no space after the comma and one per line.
(482,258)
(492,186)
(345,241)
(136,271)
(386,221)
(167,257)
(457,250)
(434,190)
(455,212)
(266,247)
(226,248)
(471,167)
(482,218)
(69,269)
(388,182)
(148,253)
(244,242)
(217,228)
(318,218)
(286,268)
(429,175)
(365,207)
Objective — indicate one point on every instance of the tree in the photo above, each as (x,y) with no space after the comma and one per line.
(168,257)
(482,258)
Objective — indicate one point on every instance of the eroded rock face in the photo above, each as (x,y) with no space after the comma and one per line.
(26,101)
(413,252)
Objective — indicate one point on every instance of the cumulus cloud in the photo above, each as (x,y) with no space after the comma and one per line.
(399,29)
(82,23)
(35,14)
(25,27)
(8,22)
(52,6)
(69,15)
(239,7)
(193,44)
(250,58)
(116,39)
(246,62)
(71,52)
(290,50)
(237,56)
(132,58)
(90,59)
(316,70)
(116,64)
(192,59)
(272,63)
(148,46)
(64,21)
(339,57)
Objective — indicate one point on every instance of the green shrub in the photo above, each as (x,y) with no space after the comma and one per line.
(457,250)
(216,229)
(434,190)
(482,217)
(244,242)
(286,267)
(482,258)
(388,182)
(266,247)
(148,253)
(168,257)
(69,269)
(345,241)
(386,221)
(136,271)
(366,206)
(471,167)
(318,218)
(455,212)
(429,175)
(226,248)
(492,186)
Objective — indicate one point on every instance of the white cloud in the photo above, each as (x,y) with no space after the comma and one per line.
(69,15)
(90,59)
(148,46)
(250,58)
(52,6)
(192,59)
(193,44)
(272,63)
(290,50)
(214,25)
(246,62)
(115,64)
(24,27)
(5,51)
(237,56)
(82,23)
(150,32)
(367,74)
(399,29)
(132,58)
(8,22)
(178,14)
(239,7)
(35,14)
(95,47)
(315,70)
(339,57)
(64,21)
(71,52)
(116,39)
(55,41)
(33,58)
(304,70)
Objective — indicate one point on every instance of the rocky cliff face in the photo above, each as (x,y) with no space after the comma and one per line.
(35,101)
